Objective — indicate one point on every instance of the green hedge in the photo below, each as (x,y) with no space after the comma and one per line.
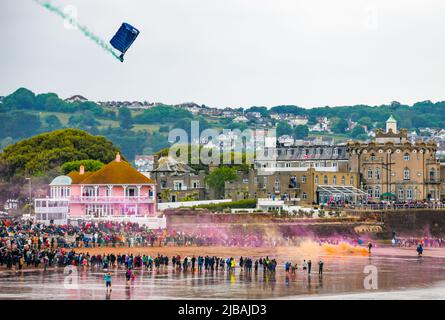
(241,204)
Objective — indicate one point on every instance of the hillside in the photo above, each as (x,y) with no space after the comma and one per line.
(24,114)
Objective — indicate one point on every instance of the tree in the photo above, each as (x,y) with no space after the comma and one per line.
(339,125)
(163,114)
(284,128)
(18,124)
(288,109)
(20,99)
(44,152)
(89,165)
(83,121)
(357,131)
(262,110)
(52,122)
(125,119)
(365,121)
(217,179)
(301,131)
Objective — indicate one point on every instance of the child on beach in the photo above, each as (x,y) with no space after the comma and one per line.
(304,265)
(108,281)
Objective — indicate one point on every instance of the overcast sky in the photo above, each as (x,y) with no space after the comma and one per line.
(232,52)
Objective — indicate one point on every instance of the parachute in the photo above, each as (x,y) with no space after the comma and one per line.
(124,38)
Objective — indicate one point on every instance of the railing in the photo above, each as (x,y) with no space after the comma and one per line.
(431,180)
(81,199)
(183,188)
(51,209)
(395,206)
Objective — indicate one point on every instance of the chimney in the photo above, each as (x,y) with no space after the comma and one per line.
(118,157)
(81,169)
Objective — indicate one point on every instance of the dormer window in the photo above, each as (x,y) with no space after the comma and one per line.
(373,157)
(406,157)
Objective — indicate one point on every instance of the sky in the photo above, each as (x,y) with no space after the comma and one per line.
(231,53)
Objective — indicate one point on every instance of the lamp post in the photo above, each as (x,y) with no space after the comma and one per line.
(30,194)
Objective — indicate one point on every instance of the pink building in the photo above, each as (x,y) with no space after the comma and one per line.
(115,192)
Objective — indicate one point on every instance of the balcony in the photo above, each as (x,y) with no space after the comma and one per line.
(432,181)
(124,200)
(51,205)
(42,209)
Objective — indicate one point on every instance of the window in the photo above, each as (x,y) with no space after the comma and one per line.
(177,185)
(377,192)
(334,180)
(409,194)
(277,185)
(401,194)
(373,157)
(377,174)
(304,195)
(406,157)
(131,192)
(369,173)
(343,180)
(108,191)
(370,192)
(195,184)
(351,181)
(303,179)
(325,180)
(89,192)
(433,194)
(432,175)
(316,179)
(406,174)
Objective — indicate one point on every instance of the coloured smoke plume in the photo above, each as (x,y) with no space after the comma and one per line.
(344,248)
(85,31)
(310,249)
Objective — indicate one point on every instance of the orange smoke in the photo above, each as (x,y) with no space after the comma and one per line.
(344,249)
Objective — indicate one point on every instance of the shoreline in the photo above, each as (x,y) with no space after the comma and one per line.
(307,250)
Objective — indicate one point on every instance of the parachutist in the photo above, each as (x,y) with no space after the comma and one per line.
(124,38)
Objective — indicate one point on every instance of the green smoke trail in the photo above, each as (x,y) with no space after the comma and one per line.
(104,45)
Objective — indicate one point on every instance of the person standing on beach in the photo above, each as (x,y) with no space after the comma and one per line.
(369,247)
(128,275)
(309,266)
(232,265)
(108,281)
(320,267)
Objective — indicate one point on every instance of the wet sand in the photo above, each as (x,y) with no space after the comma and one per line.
(308,250)
(401,275)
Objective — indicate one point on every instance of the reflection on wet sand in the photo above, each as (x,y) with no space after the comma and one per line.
(342,275)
